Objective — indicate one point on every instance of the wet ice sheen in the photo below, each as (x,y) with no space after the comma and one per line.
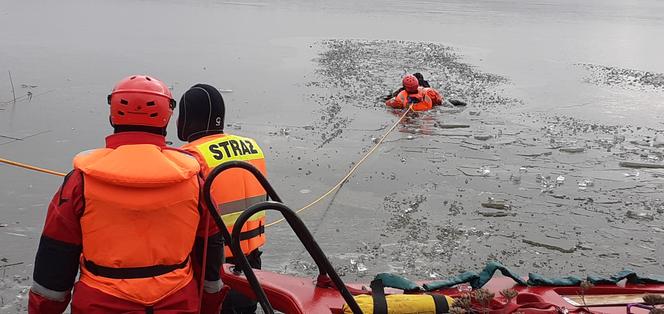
(472,50)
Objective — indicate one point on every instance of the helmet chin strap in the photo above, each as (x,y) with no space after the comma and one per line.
(139,128)
(136,128)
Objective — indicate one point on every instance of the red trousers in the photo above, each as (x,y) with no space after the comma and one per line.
(92,301)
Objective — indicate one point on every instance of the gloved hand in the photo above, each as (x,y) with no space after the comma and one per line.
(38,304)
(212,301)
(457,103)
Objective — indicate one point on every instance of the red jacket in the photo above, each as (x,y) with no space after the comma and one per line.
(60,246)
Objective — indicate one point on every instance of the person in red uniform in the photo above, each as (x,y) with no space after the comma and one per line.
(421,98)
(201,124)
(420,80)
(131,217)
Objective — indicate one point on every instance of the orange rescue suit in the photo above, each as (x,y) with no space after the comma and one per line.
(423,100)
(234,190)
(140,221)
(436,97)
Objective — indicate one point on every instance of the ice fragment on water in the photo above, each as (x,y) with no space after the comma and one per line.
(636,173)
(639,215)
(515,177)
(585,184)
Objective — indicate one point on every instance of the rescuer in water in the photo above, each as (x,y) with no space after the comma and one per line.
(421,98)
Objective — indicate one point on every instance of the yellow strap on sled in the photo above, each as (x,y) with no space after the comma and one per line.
(402,304)
(379,303)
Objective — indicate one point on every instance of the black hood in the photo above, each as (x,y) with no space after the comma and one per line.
(421,80)
(201,113)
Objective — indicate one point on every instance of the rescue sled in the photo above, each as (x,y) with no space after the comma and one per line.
(624,293)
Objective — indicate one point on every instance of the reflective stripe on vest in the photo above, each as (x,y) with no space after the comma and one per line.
(402,99)
(139,222)
(235,189)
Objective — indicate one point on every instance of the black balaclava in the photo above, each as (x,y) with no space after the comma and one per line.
(420,79)
(201,113)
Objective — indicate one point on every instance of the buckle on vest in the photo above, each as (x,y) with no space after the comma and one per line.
(413,100)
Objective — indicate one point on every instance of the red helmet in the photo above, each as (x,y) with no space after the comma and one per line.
(141,100)
(410,83)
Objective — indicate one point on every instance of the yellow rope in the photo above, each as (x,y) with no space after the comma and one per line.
(338,185)
(352,170)
(29,167)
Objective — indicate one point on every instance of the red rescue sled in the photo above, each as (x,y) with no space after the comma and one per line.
(290,294)
(328,294)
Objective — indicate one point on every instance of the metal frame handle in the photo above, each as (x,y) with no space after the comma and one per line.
(326,270)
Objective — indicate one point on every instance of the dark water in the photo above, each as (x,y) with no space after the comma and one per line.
(523,68)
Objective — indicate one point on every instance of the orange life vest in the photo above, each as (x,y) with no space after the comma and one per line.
(420,100)
(234,190)
(139,222)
